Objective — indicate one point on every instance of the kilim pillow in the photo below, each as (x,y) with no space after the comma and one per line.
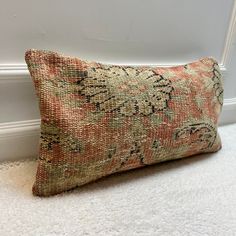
(98,119)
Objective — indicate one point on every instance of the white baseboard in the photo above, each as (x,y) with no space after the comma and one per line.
(20,139)
(228,114)
(14,73)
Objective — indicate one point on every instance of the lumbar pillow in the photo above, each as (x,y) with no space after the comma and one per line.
(98,119)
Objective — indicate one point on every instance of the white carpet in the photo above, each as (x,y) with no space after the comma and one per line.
(193,196)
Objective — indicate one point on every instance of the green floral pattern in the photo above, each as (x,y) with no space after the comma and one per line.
(128,90)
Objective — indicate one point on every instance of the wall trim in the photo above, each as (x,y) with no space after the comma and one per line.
(230,37)
(19,128)
(20,139)
(229,104)
(14,73)
(19,73)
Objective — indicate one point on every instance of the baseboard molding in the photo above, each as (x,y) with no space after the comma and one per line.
(229,104)
(14,74)
(19,128)
(228,115)
(20,139)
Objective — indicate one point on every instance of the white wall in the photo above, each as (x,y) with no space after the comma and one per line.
(161,32)
(150,31)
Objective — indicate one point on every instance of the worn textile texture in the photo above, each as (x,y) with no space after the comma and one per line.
(99,119)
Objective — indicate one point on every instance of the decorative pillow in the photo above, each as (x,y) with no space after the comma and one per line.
(99,119)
